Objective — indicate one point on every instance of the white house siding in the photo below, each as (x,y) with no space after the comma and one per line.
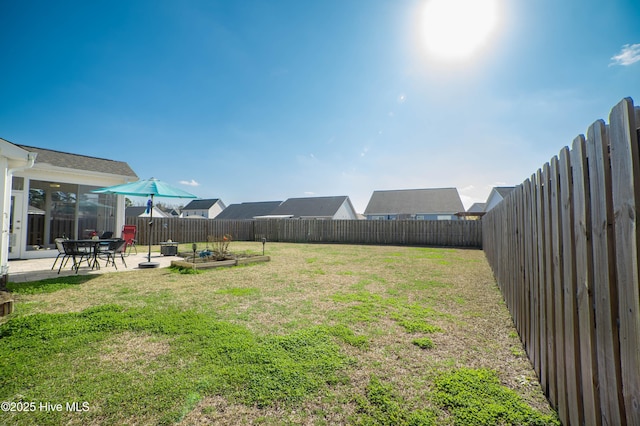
(201,213)
(215,210)
(344,212)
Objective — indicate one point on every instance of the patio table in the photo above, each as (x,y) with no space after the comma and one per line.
(83,250)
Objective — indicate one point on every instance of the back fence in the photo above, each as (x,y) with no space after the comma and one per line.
(564,249)
(456,233)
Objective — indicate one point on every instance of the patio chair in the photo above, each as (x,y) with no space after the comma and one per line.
(115,248)
(129,235)
(79,252)
(61,253)
(106,235)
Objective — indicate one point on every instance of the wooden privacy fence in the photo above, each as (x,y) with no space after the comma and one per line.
(564,249)
(455,233)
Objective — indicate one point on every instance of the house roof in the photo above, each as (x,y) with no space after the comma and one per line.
(80,162)
(504,190)
(476,208)
(136,211)
(415,201)
(311,206)
(248,210)
(201,204)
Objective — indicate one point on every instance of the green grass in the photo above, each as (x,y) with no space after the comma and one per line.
(49,285)
(321,334)
(381,405)
(475,397)
(54,359)
(423,343)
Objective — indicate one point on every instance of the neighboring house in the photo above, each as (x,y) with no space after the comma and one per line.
(141,211)
(248,210)
(496,195)
(414,204)
(207,209)
(476,208)
(48,195)
(476,211)
(325,208)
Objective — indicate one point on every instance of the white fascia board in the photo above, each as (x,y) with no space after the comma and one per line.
(48,172)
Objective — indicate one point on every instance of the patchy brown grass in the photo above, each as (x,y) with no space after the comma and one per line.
(132,350)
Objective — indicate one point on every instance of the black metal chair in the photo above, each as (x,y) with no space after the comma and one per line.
(79,251)
(114,248)
(61,253)
(106,235)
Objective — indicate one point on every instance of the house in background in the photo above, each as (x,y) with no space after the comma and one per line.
(141,211)
(323,208)
(250,210)
(475,212)
(496,195)
(53,199)
(207,209)
(414,204)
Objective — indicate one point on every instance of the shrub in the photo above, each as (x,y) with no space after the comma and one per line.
(219,246)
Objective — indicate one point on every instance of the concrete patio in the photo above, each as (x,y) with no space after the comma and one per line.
(38,269)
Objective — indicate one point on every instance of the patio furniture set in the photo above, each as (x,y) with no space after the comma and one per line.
(90,251)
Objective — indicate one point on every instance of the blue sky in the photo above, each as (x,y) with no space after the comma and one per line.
(256,100)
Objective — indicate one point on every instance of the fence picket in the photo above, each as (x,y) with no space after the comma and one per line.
(584,278)
(558,295)
(604,276)
(625,168)
(571,337)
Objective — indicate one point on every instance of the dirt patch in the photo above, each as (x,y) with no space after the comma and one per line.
(132,349)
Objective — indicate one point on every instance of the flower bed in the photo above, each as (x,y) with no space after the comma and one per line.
(210,262)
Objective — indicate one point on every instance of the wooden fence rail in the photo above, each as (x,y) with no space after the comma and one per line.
(456,233)
(564,249)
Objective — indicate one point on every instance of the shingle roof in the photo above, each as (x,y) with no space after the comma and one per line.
(415,201)
(201,204)
(248,210)
(80,162)
(477,208)
(310,206)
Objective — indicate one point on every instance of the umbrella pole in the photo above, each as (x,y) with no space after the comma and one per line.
(148,263)
(150,228)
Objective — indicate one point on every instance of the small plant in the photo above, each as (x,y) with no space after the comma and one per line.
(423,343)
(219,246)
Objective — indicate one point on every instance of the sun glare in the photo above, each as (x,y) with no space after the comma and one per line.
(456,29)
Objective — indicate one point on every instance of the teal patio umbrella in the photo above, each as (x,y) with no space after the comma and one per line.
(147,188)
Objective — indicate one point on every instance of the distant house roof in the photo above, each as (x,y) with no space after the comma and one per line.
(201,204)
(138,211)
(476,208)
(248,210)
(415,201)
(80,162)
(504,190)
(311,206)
(496,195)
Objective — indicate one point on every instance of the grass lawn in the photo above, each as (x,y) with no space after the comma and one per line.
(322,334)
